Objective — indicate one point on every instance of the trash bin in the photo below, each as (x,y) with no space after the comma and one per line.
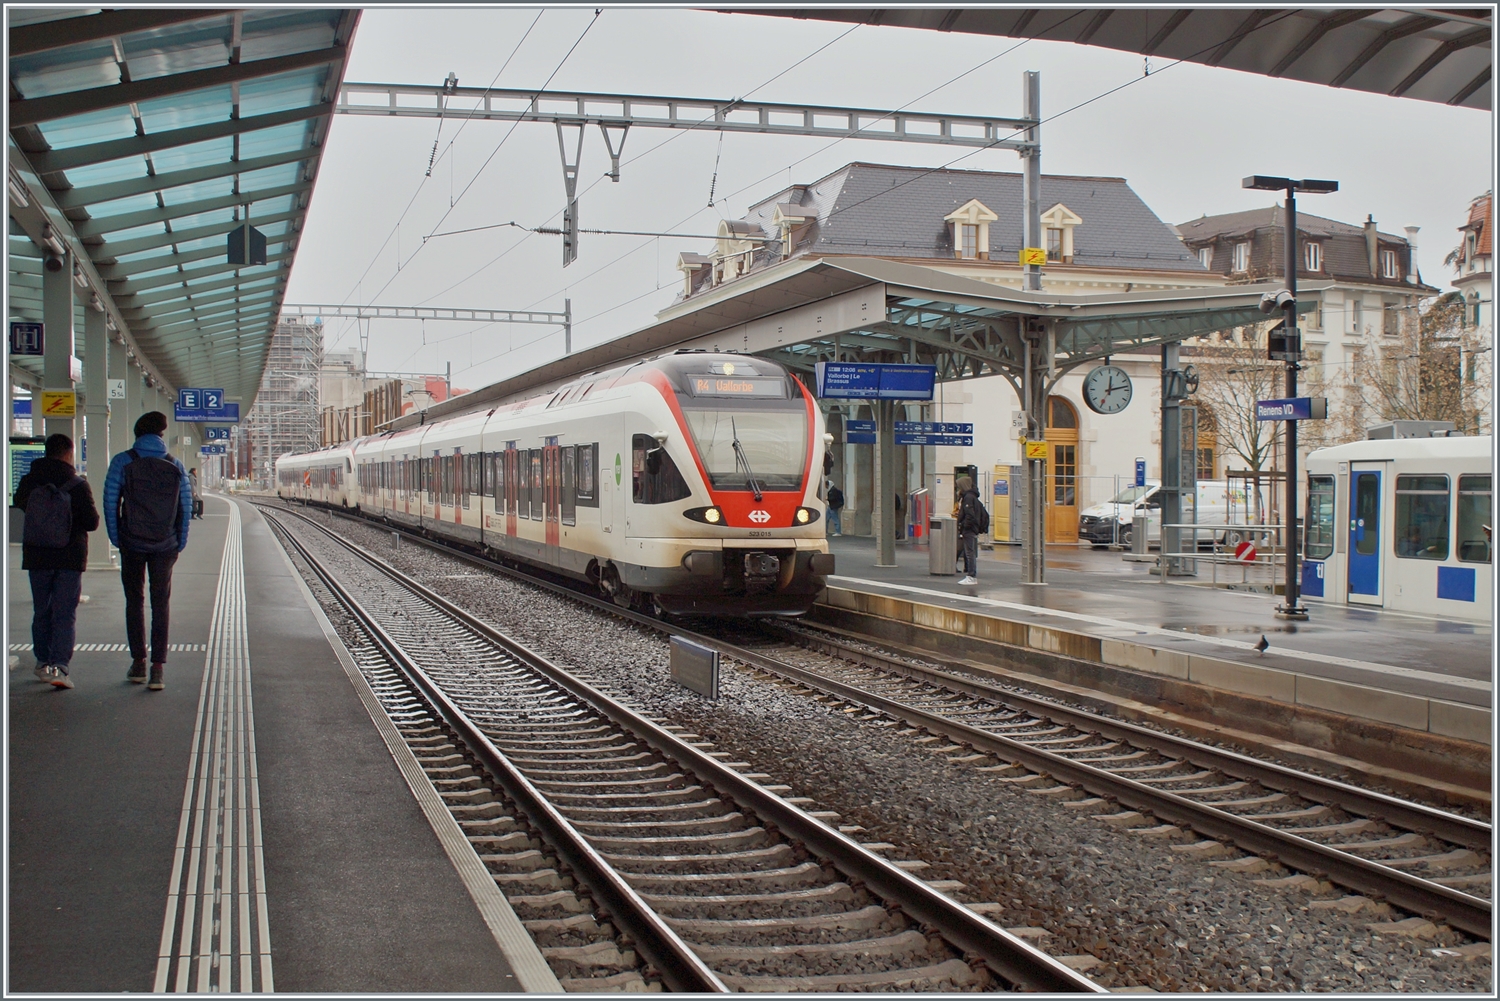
(1138,533)
(942,545)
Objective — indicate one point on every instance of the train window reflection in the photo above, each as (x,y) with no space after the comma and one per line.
(1474,519)
(1367,511)
(654,479)
(569,498)
(1422,517)
(773,443)
(1319,517)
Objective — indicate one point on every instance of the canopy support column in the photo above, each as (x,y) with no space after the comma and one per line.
(57,350)
(96,423)
(885,482)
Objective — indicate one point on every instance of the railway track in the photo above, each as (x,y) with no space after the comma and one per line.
(713,881)
(1203,801)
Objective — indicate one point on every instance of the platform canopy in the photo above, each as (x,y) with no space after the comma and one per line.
(1417,52)
(139,140)
(809,310)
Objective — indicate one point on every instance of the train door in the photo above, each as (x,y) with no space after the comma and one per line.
(609,485)
(512,488)
(551,493)
(1365,530)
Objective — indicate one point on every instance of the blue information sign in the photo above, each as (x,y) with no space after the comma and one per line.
(25,338)
(20,408)
(229,412)
(860,426)
(212,449)
(932,427)
(850,381)
(216,434)
(964,440)
(1140,472)
(1300,408)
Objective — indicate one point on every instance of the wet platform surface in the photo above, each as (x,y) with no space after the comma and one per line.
(1097,592)
(345,889)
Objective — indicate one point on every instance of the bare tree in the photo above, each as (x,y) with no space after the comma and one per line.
(1426,365)
(1234,373)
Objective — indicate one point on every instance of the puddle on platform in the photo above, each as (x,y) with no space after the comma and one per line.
(1215,630)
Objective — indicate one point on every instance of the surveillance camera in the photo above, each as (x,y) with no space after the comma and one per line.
(53,264)
(1280,299)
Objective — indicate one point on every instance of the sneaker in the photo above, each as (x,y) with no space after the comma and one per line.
(137,672)
(60,677)
(157,684)
(969,580)
(43,672)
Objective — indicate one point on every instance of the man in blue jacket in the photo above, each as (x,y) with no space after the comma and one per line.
(148,503)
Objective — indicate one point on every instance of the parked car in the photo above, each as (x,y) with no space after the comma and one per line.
(1215,502)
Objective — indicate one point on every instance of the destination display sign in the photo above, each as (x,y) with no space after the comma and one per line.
(850,381)
(963,440)
(860,426)
(932,427)
(1299,408)
(769,387)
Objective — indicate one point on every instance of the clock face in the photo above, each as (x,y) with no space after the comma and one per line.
(1107,389)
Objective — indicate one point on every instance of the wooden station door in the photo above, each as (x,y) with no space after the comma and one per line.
(1062,470)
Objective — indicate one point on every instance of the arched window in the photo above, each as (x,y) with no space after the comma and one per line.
(1060,413)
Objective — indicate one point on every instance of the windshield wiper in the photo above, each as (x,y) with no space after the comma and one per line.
(743,460)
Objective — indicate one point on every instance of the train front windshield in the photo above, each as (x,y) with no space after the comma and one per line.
(773,445)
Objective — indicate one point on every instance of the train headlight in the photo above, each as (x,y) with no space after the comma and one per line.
(707,515)
(805,516)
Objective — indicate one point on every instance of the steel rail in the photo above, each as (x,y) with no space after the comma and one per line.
(1377,806)
(679,966)
(1468,913)
(1004,953)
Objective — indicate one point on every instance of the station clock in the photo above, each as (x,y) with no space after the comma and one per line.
(1107,389)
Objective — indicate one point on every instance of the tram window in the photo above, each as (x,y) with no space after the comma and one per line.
(587,471)
(568,497)
(1367,510)
(1319,517)
(537,496)
(1474,514)
(655,479)
(1422,517)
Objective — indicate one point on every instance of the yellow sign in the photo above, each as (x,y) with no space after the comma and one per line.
(59,403)
(1033,255)
(1036,450)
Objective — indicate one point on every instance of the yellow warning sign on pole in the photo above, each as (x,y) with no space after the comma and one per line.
(59,403)
(1033,255)
(1036,450)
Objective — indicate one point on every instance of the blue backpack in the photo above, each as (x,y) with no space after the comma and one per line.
(49,515)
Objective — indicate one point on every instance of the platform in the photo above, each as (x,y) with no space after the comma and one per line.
(251,813)
(1096,593)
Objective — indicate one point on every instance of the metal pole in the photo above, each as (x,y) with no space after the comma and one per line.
(1171,459)
(1031,180)
(885,482)
(1291,608)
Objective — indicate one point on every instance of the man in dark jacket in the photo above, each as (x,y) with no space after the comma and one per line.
(57,571)
(968,529)
(149,481)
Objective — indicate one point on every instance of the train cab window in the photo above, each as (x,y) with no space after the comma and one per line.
(1474,519)
(568,498)
(1422,517)
(537,495)
(655,479)
(1319,517)
(586,490)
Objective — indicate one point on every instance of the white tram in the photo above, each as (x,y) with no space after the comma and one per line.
(1402,524)
(691,481)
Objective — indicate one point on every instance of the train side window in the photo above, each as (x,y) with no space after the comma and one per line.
(568,497)
(587,473)
(654,479)
(1319,517)
(1474,514)
(523,481)
(1422,517)
(537,495)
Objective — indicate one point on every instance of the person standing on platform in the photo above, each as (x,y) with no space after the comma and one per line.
(60,514)
(973,521)
(835,509)
(148,503)
(197,494)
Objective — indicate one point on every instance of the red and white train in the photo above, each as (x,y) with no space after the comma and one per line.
(691,482)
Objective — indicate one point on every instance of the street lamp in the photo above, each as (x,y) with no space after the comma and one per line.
(1291,607)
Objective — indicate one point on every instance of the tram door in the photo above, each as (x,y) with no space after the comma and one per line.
(1365,543)
(552,496)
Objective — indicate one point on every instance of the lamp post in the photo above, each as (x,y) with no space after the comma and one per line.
(1291,607)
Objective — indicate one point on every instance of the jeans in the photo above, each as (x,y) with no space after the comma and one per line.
(835,521)
(969,546)
(133,568)
(54,602)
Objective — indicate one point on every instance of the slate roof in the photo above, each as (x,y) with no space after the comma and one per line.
(1481,219)
(877,210)
(1239,223)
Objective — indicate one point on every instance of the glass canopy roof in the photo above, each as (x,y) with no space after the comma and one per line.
(143,137)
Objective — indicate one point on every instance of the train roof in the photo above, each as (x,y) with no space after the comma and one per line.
(1466,447)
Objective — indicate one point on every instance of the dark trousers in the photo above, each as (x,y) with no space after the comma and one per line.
(54,603)
(133,568)
(969,545)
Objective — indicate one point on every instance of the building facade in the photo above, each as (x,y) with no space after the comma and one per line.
(1473,261)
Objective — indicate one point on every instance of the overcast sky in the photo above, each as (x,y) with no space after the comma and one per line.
(1182,137)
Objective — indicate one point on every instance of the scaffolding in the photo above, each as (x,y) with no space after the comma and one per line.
(285,416)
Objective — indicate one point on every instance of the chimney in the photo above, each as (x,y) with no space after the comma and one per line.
(1372,246)
(1412,275)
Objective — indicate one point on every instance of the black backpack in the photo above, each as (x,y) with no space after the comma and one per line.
(150,504)
(977,516)
(49,515)
(835,498)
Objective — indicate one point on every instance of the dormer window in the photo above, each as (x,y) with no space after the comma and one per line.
(790,221)
(1241,257)
(1058,224)
(971,230)
(1206,256)
(1388,267)
(1312,256)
